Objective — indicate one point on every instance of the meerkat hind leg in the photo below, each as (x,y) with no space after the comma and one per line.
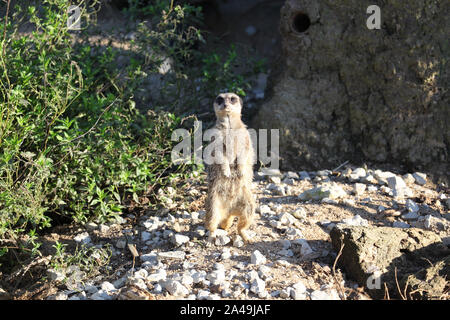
(227,222)
(213,218)
(243,224)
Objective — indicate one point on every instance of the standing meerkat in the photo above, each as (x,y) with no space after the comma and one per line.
(230,175)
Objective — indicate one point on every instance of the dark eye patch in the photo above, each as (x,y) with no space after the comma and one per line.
(233,100)
(220,100)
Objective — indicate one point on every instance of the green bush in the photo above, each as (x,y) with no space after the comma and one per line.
(72,143)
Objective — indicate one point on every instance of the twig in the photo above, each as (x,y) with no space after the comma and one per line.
(5,25)
(386,292)
(91,128)
(398,286)
(340,166)
(341,291)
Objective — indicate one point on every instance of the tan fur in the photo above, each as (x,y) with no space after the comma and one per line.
(230,183)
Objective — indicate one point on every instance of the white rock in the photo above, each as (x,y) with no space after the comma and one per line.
(291,175)
(283,262)
(411,206)
(359,188)
(300,213)
(382,176)
(294,232)
(218,266)
(141,273)
(305,247)
(328,190)
(203,295)
(226,254)
(355,221)
(91,226)
(257,258)
(258,287)
(160,275)
(421,178)
(222,240)
(323,173)
(56,275)
(287,219)
(285,293)
(199,276)
(238,242)
(298,291)
(175,288)
(271,172)
(399,188)
(386,190)
(107,286)
(372,188)
(329,201)
(179,239)
(83,238)
(360,172)
(264,271)
(369,179)
(195,215)
(436,224)
(265,209)
(103,228)
(408,178)
(187,280)
(320,295)
(274,179)
(299,287)
(216,277)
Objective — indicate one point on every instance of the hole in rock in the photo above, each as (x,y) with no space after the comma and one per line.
(300,22)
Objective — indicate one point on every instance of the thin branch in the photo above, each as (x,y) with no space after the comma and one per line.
(398,286)
(341,291)
(91,128)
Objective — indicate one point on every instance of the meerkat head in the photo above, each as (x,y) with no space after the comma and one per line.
(227,104)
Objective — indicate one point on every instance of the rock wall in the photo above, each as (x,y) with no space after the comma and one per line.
(344,92)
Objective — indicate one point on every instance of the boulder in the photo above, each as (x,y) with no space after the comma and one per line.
(342,91)
(377,256)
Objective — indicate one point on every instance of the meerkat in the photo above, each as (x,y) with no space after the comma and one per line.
(230,179)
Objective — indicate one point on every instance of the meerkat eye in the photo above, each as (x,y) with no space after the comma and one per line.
(220,100)
(233,100)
